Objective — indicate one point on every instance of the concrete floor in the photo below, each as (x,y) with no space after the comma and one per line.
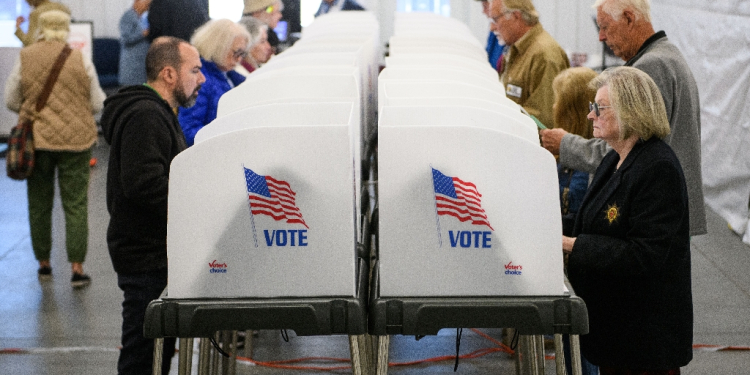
(59,330)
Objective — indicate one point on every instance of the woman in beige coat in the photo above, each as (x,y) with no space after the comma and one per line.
(64,132)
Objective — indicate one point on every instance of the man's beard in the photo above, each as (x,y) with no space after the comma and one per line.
(184,100)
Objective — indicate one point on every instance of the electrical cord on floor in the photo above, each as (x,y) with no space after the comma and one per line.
(216,346)
(459,332)
(514,341)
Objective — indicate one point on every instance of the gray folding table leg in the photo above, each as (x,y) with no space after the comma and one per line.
(575,355)
(185,362)
(559,354)
(158,355)
(204,356)
(383,344)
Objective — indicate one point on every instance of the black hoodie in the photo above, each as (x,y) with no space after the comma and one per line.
(145,136)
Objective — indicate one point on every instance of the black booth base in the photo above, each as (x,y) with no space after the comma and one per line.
(307,316)
(533,315)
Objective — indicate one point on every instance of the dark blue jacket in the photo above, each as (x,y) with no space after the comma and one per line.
(204,111)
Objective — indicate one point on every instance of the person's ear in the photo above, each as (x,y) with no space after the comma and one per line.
(169,75)
(629,17)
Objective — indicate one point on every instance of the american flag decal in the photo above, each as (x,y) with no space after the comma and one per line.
(271,197)
(459,199)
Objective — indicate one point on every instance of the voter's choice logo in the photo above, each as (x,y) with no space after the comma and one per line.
(217,267)
(513,269)
(276,199)
(461,200)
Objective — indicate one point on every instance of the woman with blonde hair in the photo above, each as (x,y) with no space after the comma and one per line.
(630,247)
(572,95)
(64,132)
(40,6)
(222,44)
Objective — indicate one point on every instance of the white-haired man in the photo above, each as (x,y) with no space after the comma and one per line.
(625,26)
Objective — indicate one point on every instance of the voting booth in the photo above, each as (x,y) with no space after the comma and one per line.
(266,224)
(469,226)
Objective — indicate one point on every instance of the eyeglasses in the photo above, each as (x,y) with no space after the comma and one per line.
(596,107)
(494,19)
(239,54)
(269,9)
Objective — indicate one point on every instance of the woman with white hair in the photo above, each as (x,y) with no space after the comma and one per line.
(40,6)
(64,132)
(630,247)
(260,50)
(222,44)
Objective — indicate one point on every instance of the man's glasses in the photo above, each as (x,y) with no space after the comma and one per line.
(494,19)
(596,107)
(239,54)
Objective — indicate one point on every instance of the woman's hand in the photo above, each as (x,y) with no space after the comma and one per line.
(567,244)
(19,21)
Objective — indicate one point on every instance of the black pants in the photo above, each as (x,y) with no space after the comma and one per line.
(137,354)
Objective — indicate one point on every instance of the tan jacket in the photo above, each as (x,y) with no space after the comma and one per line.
(528,71)
(33,34)
(66,122)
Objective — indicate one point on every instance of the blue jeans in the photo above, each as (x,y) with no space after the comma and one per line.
(587,368)
(137,354)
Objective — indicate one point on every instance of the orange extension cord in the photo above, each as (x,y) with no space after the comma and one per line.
(289,364)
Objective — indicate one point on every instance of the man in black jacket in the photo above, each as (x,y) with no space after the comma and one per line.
(140,124)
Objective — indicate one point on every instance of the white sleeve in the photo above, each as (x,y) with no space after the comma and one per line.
(13,92)
(97,94)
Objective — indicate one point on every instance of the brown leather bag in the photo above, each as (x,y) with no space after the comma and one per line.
(19,161)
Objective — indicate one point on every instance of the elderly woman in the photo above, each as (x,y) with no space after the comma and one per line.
(64,132)
(222,44)
(630,250)
(40,6)
(260,50)
(268,12)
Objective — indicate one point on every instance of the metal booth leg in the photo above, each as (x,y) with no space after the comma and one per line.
(575,354)
(383,344)
(158,354)
(360,355)
(539,351)
(528,355)
(185,362)
(204,356)
(559,355)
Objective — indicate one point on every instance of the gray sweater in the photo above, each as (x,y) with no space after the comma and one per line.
(664,63)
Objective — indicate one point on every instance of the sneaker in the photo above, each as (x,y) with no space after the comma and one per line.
(80,280)
(44,273)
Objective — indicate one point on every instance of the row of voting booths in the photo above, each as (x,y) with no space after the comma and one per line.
(332,198)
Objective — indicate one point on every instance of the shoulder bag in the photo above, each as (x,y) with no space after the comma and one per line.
(19,160)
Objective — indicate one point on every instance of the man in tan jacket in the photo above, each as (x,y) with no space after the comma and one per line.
(532,57)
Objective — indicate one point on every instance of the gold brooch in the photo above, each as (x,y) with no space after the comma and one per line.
(612,213)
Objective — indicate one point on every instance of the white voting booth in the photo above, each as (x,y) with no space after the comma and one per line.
(469,220)
(468,201)
(266,203)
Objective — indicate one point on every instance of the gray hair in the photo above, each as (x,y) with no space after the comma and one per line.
(255,27)
(615,8)
(214,39)
(636,102)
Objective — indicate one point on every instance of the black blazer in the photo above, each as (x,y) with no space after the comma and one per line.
(631,261)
